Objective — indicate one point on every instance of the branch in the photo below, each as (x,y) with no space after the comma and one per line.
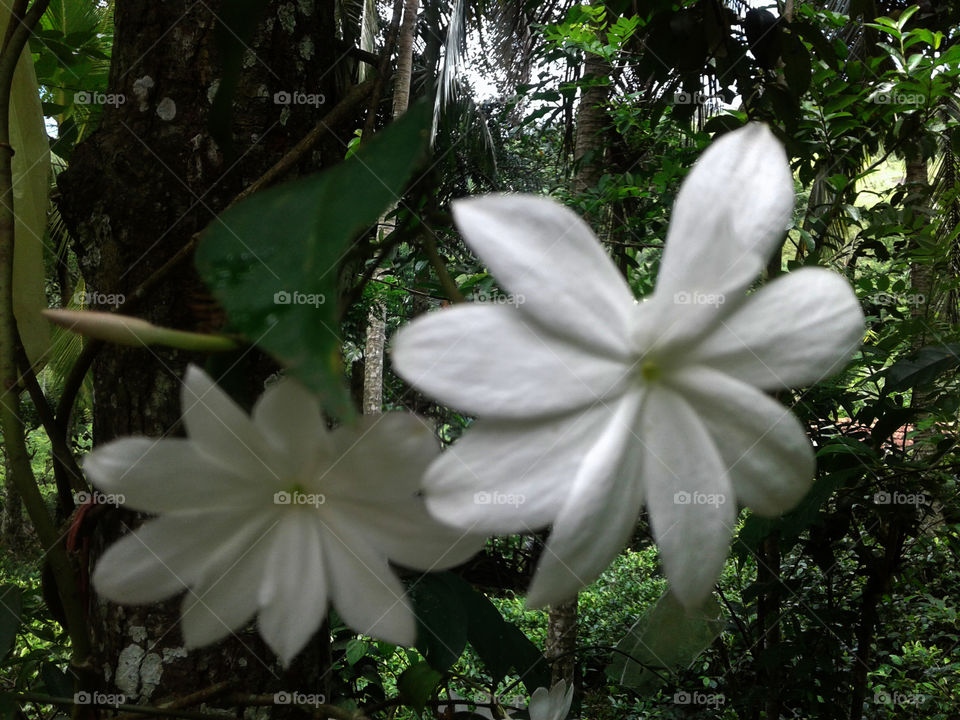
(446,282)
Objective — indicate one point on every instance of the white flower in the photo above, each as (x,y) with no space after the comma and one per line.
(273,515)
(551,705)
(590,404)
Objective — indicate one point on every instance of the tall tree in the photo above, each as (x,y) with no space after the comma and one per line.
(136,193)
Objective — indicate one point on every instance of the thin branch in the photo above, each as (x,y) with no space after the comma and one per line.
(446,282)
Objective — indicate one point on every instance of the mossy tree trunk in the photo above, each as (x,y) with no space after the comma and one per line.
(135,193)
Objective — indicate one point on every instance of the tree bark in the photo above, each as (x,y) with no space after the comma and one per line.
(373,360)
(408,31)
(561,642)
(136,192)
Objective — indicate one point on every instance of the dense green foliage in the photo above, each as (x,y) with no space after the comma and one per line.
(845,607)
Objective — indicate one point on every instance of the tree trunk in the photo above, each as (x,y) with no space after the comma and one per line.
(408,31)
(373,360)
(376,339)
(561,643)
(591,120)
(135,193)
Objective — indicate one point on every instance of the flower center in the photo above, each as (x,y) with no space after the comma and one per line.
(650,370)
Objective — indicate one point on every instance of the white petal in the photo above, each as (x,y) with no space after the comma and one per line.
(379,459)
(600,514)
(765,449)
(551,705)
(496,362)
(407,534)
(221,430)
(213,610)
(164,556)
(288,416)
(550,260)
(166,476)
(293,592)
(366,593)
(731,212)
(793,332)
(691,504)
(505,477)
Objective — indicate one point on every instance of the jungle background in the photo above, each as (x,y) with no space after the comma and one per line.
(161,116)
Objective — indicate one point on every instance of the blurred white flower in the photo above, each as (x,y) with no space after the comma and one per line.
(553,704)
(590,404)
(275,516)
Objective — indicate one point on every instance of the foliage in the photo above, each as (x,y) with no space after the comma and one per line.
(855,590)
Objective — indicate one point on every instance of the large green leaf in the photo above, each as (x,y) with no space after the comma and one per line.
(923,367)
(31,185)
(417,684)
(272,260)
(441,619)
(501,645)
(667,637)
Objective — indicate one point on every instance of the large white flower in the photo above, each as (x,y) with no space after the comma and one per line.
(591,404)
(273,515)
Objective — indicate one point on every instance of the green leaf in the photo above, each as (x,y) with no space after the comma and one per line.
(500,645)
(11,603)
(31,183)
(56,681)
(417,684)
(272,260)
(668,636)
(441,619)
(356,649)
(923,367)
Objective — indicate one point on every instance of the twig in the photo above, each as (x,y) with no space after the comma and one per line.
(446,282)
